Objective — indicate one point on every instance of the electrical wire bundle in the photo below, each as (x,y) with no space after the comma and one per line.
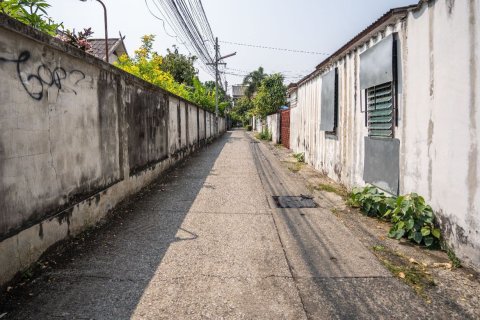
(189,23)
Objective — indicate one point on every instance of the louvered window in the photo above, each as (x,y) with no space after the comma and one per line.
(380,114)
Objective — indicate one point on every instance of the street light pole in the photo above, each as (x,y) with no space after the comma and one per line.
(106,27)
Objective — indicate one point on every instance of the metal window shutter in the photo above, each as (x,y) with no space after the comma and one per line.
(380,111)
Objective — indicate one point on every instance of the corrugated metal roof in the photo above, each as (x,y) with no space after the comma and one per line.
(98,46)
(360,38)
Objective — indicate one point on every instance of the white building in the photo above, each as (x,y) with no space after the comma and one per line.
(399,107)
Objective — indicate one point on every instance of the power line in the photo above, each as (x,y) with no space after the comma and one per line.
(246,74)
(274,48)
(284,72)
(189,23)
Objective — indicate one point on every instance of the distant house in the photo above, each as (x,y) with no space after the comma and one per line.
(292,95)
(116,48)
(238,91)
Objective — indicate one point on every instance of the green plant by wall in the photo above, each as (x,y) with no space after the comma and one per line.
(32,13)
(412,218)
(265,134)
(299,156)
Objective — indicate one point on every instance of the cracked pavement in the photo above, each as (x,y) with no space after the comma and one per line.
(206,242)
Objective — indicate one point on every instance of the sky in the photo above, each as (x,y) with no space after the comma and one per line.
(309,25)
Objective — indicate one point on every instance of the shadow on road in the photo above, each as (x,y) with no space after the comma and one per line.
(105,275)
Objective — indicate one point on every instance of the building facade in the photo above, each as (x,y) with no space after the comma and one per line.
(399,107)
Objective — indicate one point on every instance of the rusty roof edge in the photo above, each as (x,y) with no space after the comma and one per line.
(395,12)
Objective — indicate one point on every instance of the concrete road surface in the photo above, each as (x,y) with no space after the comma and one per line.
(208,242)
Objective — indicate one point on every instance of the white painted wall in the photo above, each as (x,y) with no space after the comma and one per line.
(273,126)
(439,118)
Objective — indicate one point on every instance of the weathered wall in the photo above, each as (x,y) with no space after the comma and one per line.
(76,137)
(257,124)
(273,125)
(439,102)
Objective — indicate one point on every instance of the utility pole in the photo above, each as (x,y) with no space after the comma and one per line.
(216,63)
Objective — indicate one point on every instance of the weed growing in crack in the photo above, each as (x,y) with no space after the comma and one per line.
(414,274)
(456,263)
(332,189)
(299,156)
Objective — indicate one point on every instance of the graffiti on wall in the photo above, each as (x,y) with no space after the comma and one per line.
(42,76)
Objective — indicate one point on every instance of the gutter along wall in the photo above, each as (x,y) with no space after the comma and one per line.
(438,115)
(77,136)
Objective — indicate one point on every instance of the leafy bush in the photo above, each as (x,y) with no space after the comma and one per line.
(264,135)
(411,216)
(372,202)
(299,156)
(149,66)
(32,13)
(248,127)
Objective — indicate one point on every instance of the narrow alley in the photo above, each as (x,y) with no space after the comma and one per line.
(207,241)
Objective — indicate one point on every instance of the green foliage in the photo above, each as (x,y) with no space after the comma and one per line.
(248,127)
(456,263)
(149,66)
(202,96)
(370,200)
(179,66)
(299,156)
(331,188)
(265,134)
(32,13)
(253,81)
(270,96)
(411,216)
(242,110)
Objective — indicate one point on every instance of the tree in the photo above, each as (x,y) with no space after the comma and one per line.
(148,65)
(253,81)
(180,66)
(210,85)
(242,111)
(271,95)
(32,13)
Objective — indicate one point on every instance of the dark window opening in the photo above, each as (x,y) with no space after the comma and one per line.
(335,107)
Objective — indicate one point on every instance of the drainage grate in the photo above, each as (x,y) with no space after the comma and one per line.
(301,201)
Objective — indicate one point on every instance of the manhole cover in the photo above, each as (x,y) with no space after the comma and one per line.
(301,201)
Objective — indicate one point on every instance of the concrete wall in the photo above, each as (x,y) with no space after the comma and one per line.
(257,125)
(273,125)
(76,137)
(439,117)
